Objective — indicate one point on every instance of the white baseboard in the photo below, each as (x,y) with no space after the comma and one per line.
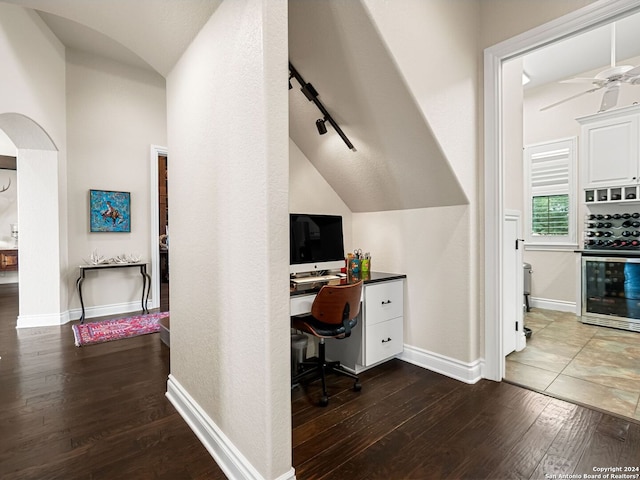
(47,320)
(549,304)
(227,456)
(104,310)
(465,372)
(53,319)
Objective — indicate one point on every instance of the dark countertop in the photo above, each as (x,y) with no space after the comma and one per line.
(595,252)
(371,277)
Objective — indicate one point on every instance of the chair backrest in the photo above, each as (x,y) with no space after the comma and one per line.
(336,303)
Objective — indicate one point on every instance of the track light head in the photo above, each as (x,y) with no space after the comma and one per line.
(309,92)
(322,128)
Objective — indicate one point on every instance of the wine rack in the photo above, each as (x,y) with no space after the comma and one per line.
(619,231)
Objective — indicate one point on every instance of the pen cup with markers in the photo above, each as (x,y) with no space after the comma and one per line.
(354,266)
(365,265)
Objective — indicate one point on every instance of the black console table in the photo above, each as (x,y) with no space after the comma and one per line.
(146,281)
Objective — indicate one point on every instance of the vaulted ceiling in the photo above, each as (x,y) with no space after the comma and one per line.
(398,163)
(155,33)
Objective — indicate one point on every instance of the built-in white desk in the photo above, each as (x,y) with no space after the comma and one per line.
(379,334)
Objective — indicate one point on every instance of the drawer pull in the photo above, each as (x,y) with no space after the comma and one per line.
(386,303)
(387,340)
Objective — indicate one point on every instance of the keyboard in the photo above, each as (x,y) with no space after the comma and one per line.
(320,278)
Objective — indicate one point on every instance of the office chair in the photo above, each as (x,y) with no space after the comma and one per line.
(333,314)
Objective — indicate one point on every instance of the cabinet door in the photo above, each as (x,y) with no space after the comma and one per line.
(383,341)
(610,152)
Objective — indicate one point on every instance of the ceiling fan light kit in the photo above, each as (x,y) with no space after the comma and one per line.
(610,80)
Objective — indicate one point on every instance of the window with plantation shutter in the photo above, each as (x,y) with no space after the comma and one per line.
(550,193)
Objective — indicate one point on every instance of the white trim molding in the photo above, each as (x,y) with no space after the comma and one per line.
(46,320)
(154,152)
(224,452)
(53,319)
(550,304)
(465,372)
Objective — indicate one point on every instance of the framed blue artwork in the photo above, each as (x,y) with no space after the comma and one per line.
(109,211)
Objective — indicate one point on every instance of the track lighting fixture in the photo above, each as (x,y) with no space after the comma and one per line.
(322,128)
(312,96)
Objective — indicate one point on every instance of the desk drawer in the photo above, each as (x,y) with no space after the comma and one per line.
(384,340)
(383,301)
(301,304)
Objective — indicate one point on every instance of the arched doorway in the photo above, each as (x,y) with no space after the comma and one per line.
(42,255)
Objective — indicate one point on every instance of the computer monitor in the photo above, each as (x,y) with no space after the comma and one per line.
(315,242)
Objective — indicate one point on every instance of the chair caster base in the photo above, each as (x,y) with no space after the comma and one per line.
(324,401)
(357,387)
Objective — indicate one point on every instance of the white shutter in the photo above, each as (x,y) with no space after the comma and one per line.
(550,169)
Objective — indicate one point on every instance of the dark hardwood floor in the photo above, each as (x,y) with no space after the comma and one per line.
(100,412)
(96,412)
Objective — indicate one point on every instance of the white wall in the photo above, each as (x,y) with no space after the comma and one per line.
(229,148)
(114,113)
(512,136)
(309,192)
(435,247)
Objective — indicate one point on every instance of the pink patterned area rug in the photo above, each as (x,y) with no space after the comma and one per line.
(107,330)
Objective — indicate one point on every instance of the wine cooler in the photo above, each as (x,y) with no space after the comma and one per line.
(611,292)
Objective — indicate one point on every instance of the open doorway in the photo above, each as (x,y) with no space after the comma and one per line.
(159,234)
(495,163)
(163,231)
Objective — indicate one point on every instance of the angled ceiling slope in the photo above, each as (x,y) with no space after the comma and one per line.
(399,163)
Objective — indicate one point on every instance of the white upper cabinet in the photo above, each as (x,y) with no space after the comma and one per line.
(610,149)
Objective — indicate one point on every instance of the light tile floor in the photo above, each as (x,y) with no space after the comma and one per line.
(587,364)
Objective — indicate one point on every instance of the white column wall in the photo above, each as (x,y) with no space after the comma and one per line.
(228,142)
(39,269)
(33,86)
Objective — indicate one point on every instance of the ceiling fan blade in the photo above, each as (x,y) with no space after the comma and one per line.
(580,80)
(632,76)
(569,98)
(634,72)
(610,97)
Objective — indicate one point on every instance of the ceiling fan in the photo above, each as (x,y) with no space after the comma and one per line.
(610,80)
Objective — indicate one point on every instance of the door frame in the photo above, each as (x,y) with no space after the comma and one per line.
(593,15)
(155,152)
